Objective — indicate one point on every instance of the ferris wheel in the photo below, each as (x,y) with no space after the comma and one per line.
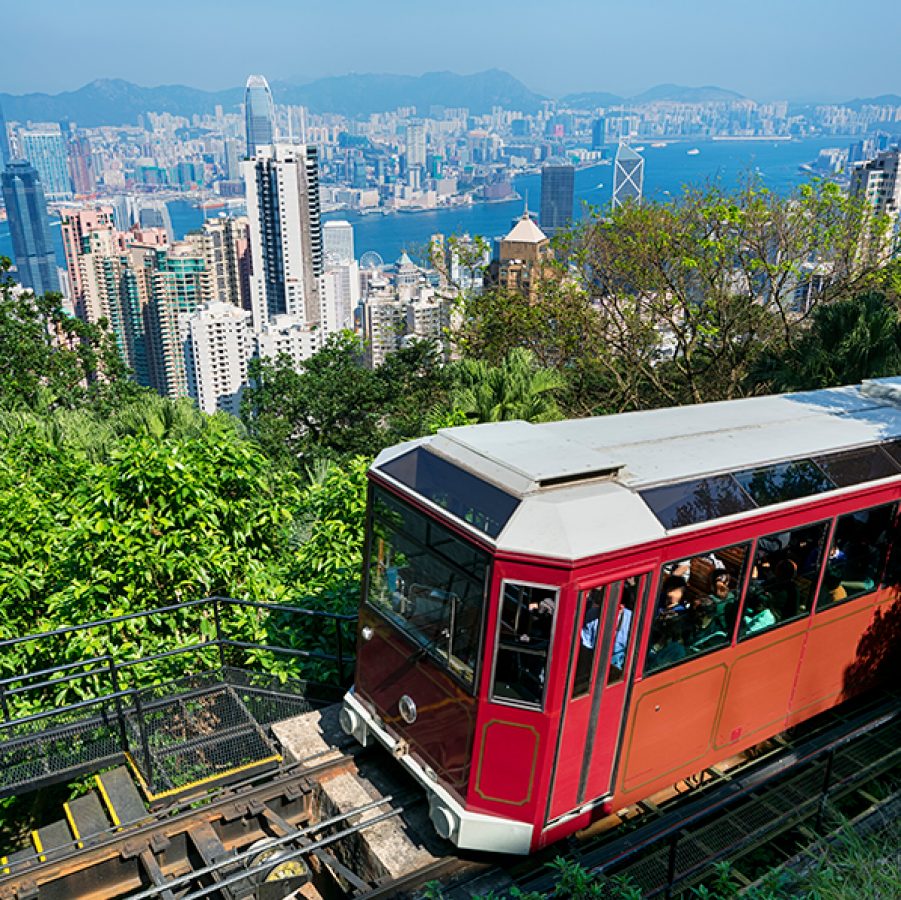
(371,260)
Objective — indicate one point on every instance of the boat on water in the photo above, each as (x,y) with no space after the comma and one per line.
(600,184)
(639,148)
(658,144)
(694,151)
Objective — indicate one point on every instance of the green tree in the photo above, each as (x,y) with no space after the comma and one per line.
(518,388)
(335,407)
(50,359)
(847,341)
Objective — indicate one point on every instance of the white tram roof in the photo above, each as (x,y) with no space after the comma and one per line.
(578,482)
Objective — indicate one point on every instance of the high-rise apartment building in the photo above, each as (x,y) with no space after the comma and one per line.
(259,114)
(340,295)
(557,197)
(415,145)
(26,208)
(81,165)
(78,226)
(218,345)
(282,186)
(877,182)
(224,243)
(338,241)
(177,289)
(45,149)
(628,176)
(289,335)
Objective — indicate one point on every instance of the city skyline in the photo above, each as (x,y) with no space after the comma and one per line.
(692,44)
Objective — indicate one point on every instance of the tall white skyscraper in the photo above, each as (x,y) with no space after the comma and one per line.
(415,144)
(218,344)
(259,114)
(877,182)
(282,184)
(338,241)
(628,176)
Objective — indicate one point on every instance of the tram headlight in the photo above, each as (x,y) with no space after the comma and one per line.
(407,709)
(352,724)
(446,823)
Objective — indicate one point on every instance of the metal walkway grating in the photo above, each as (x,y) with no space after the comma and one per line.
(754,819)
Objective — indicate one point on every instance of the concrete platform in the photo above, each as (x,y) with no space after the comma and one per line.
(389,849)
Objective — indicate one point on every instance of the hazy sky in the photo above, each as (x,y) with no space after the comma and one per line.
(794,49)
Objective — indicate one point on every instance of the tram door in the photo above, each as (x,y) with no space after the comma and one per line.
(603,647)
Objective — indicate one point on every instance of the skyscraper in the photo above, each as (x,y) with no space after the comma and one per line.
(81,165)
(877,183)
(415,145)
(218,345)
(628,176)
(282,185)
(259,114)
(338,240)
(26,207)
(5,155)
(45,149)
(557,192)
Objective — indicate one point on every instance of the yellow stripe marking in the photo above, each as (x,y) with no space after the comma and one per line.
(36,840)
(3,863)
(106,799)
(277,757)
(72,826)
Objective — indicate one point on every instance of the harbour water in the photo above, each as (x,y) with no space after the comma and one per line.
(667,170)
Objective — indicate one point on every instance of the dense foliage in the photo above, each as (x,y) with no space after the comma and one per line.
(114,500)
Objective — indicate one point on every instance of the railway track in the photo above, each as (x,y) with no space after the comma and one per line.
(260,837)
(265,837)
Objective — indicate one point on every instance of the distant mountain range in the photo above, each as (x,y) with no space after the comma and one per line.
(117,102)
(662,92)
(881,100)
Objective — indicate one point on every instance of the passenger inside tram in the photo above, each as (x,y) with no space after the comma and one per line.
(667,641)
(673,598)
(757,615)
(708,628)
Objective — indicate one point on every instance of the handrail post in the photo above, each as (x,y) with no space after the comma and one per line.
(218,621)
(145,743)
(4,703)
(120,715)
(340,642)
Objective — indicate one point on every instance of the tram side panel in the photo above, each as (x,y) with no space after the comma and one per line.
(521,693)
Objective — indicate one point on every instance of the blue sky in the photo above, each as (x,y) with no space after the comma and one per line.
(766,49)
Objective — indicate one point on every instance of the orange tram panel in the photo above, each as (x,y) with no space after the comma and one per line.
(559,620)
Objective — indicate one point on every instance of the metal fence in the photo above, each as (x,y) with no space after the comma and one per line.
(184,692)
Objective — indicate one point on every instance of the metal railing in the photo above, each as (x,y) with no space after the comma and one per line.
(176,690)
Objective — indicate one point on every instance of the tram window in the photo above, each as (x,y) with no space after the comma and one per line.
(783,578)
(857,555)
(625,619)
(471,499)
(857,466)
(677,505)
(428,582)
(524,641)
(593,601)
(697,606)
(785,481)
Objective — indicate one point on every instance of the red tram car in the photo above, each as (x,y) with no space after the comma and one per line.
(561,619)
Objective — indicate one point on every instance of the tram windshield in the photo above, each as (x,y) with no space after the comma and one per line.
(427,581)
